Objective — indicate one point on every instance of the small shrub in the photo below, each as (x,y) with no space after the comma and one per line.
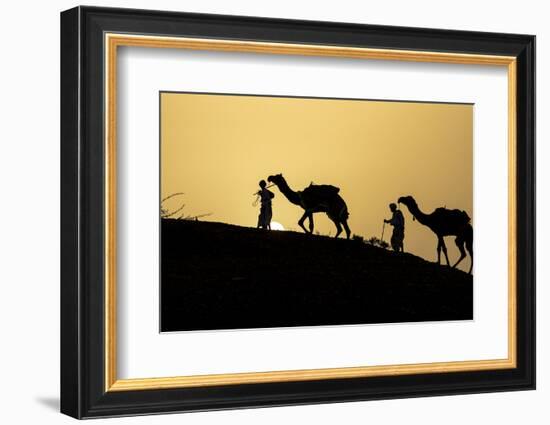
(374,241)
(358,238)
(178,213)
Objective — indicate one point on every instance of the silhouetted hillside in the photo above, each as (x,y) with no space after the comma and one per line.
(220,276)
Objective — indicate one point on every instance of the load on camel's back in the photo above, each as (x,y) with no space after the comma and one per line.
(319,194)
(456,217)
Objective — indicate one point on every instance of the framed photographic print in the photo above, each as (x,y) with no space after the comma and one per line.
(261,212)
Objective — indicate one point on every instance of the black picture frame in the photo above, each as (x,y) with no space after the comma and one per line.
(83,393)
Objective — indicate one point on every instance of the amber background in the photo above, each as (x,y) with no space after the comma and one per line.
(216,148)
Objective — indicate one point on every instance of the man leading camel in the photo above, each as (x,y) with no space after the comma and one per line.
(264,219)
(398,222)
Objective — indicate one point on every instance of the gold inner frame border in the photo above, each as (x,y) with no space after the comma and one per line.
(112,41)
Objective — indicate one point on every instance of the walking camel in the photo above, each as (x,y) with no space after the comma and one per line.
(314,199)
(444,222)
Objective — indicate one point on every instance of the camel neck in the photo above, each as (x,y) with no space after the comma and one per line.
(419,215)
(288,192)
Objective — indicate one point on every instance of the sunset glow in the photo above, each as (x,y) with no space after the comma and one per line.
(276,226)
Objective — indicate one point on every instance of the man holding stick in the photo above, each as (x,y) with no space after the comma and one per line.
(398,222)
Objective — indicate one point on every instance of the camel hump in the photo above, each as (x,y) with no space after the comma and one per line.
(460,217)
(323,190)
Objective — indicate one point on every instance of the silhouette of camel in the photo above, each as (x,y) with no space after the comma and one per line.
(444,222)
(314,199)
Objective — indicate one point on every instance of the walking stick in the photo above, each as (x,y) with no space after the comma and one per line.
(383,227)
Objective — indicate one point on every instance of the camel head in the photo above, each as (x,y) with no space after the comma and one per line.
(409,202)
(276,179)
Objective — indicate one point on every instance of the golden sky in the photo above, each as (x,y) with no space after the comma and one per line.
(216,148)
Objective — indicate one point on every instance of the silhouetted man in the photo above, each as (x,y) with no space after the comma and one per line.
(398,222)
(264,219)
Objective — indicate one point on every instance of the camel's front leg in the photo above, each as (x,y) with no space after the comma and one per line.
(311,226)
(301,221)
(444,248)
(438,250)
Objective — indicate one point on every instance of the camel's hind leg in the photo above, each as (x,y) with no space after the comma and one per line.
(346,228)
(311,225)
(338,227)
(466,239)
(470,248)
(460,244)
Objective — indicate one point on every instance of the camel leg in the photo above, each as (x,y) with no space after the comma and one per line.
(311,226)
(337,224)
(346,228)
(338,229)
(459,260)
(460,244)
(444,248)
(470,248)
(438,250)
(301,221)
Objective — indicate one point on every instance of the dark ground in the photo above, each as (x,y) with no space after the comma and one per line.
(220,276)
